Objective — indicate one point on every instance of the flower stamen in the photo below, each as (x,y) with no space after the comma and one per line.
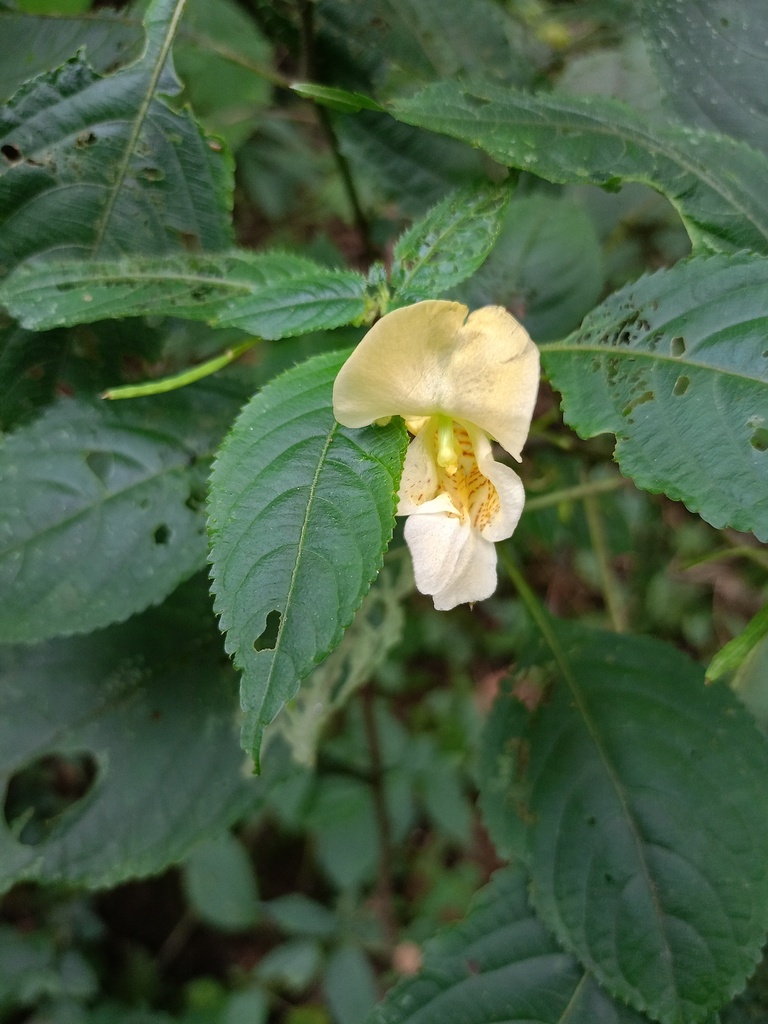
(447,456)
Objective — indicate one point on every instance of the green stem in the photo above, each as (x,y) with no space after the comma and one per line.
(735,651)
(538,613)
(614,599)
(342,165)
(758,555)
(180,380)
(575,493)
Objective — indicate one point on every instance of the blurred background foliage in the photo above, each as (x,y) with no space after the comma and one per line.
(347,856)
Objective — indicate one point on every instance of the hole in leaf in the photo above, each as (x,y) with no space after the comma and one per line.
(268,639)
(759,440)
(11,153)
(681,385)
(99,464)
(39,794)
(84,140)
(195,500)
(151,174)
(162,534)
(677,347)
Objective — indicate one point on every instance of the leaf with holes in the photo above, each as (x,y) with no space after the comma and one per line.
(141,719)
(676,365)
(715,183)
(500,964)
(32,44)
(270,294)
(649,824)
(712,57)
(449,244)
(101,507)
(301,511)
(100,166)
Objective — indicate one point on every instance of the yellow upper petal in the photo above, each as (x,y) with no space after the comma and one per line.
(432,359)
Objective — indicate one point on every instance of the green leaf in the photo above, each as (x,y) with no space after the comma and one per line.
(150,703)
(390,153)
(93,166)
(449,244)
(622,71)
(344,826)
(398,43)
(36,969)
(101,508)
(337,99)
(709,59)
(290,966)
(750,683)
(714,182)
(299,915)
(349,984)
(29,364)
(32,44)
(273,295)
(736,651)
(503,750)
(224,62)
(301,511)
(546,266)
(676,365)
(220,883)
(500,964)
(647,847)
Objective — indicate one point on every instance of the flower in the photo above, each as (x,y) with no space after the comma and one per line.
(458,381)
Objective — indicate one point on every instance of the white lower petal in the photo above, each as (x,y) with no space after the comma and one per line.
(419,481)
(451,561)
(508,485)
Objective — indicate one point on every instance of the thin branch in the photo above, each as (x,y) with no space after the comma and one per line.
(614,599)
(575,493)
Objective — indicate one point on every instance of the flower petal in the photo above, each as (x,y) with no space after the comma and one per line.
(451,561)
(509,488)
(420,472)
(431,358)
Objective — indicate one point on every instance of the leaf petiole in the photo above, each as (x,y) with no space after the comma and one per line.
(180,380)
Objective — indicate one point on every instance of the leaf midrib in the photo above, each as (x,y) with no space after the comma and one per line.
(631,353)
(299,552)
(563,663)
(141,113)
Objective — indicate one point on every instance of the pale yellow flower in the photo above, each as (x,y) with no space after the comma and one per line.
(458,381)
